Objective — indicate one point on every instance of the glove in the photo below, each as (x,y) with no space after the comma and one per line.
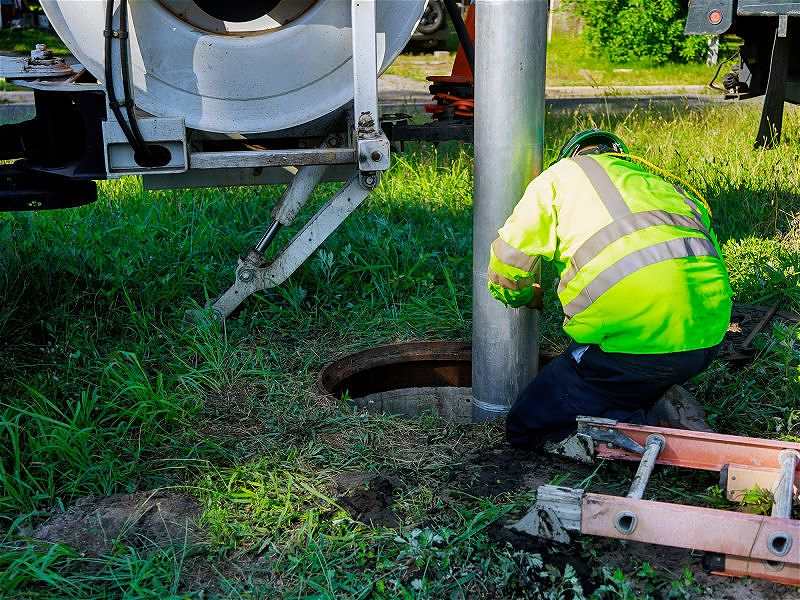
(537,302)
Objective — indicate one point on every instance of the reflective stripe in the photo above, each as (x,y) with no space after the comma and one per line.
(677,248)
(509,255)
(693,206)
(616,230)
(609,194)
(507,283)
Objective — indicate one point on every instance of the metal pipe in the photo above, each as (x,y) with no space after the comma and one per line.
(510,50)
(652,448)
(268,237)
(294,198)
(784,490)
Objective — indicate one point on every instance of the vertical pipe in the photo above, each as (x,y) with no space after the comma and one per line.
(784,489)
(510,50)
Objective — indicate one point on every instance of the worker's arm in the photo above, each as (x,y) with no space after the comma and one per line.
(528,235)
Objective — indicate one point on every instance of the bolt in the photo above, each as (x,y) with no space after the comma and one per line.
(370,181)
(376,156)
(41,52)
(246,275)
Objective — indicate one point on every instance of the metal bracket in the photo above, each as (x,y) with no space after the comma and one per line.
(603,431)
(252,277)
(557,512)
(168,132)
(372,145)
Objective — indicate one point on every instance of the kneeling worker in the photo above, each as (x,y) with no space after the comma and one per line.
(644,288)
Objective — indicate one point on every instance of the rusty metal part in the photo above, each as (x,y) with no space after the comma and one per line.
(747,321)
(41,64)
(761,324)
(604,431)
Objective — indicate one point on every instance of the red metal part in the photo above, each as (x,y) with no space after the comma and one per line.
(698,528)
(736,566)
(447,101)
(748,542)
(700,450)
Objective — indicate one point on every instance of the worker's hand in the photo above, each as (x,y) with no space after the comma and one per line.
(537,302)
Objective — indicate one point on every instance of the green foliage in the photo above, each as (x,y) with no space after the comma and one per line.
(631,30)
(764,270)
(757,501)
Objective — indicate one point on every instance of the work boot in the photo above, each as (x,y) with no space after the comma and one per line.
(678,409)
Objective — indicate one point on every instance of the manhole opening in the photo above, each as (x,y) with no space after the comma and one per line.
(410,380)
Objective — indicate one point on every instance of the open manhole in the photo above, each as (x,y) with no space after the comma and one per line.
(410,379)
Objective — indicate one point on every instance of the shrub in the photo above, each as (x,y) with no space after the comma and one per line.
(629,30)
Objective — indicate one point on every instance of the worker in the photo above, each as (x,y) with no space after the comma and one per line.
(642,282)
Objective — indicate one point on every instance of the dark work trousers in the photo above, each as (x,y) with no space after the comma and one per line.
(609,385)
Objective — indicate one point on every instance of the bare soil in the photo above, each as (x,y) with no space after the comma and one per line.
(368,498)
(148,520)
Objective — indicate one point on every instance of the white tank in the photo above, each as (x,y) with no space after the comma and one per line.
(233,66)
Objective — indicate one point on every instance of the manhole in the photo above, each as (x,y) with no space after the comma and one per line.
(410,379)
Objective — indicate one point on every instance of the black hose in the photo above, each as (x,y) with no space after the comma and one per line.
(109,71)
(461,32)
(131,131)
(124,60)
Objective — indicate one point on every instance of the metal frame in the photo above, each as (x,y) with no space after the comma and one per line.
(764,547)
(371,155)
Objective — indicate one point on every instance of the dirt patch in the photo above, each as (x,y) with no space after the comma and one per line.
(216,576)
(155,519)
(495,471)
(368,498)
(502,469)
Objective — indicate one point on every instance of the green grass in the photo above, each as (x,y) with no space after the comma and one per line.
(571,62)
(108,389)
(24,40)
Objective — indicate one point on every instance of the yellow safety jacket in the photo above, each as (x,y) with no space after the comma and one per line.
(641,270)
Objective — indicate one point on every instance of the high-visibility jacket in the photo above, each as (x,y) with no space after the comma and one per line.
(641,270)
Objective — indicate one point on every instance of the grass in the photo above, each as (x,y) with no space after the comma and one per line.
(24,40)
(109,390)
(570,62)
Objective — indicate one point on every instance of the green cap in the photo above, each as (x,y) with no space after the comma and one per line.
(591,137)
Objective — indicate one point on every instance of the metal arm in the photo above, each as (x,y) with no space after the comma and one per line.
(251,277)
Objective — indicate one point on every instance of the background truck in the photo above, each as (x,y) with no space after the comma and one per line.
(765,66)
